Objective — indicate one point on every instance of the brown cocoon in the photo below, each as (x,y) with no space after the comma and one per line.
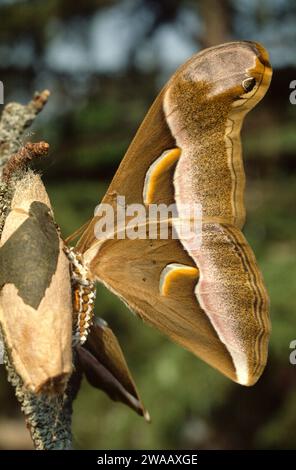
(35,300)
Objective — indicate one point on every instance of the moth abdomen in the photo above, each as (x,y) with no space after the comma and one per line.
(84,294)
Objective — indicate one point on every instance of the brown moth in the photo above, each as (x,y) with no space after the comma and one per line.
(210,298)
(35,299)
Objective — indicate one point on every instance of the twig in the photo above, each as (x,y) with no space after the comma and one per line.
(48,419)
(20,160)
(14,121)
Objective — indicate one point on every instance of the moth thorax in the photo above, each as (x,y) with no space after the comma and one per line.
(84,294)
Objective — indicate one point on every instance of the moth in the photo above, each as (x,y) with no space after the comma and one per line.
(209,297)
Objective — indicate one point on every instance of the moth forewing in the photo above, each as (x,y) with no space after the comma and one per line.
(152,139)
(210,172)
(35,300)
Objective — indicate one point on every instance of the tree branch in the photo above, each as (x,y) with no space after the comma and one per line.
(48,418)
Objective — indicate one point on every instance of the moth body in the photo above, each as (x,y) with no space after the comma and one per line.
(84,295)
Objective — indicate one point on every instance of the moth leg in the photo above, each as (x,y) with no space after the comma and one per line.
(157,175)
(174,276)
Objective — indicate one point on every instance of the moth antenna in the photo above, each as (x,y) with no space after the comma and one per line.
(77,232)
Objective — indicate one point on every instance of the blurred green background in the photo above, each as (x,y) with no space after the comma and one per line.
(104,62)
